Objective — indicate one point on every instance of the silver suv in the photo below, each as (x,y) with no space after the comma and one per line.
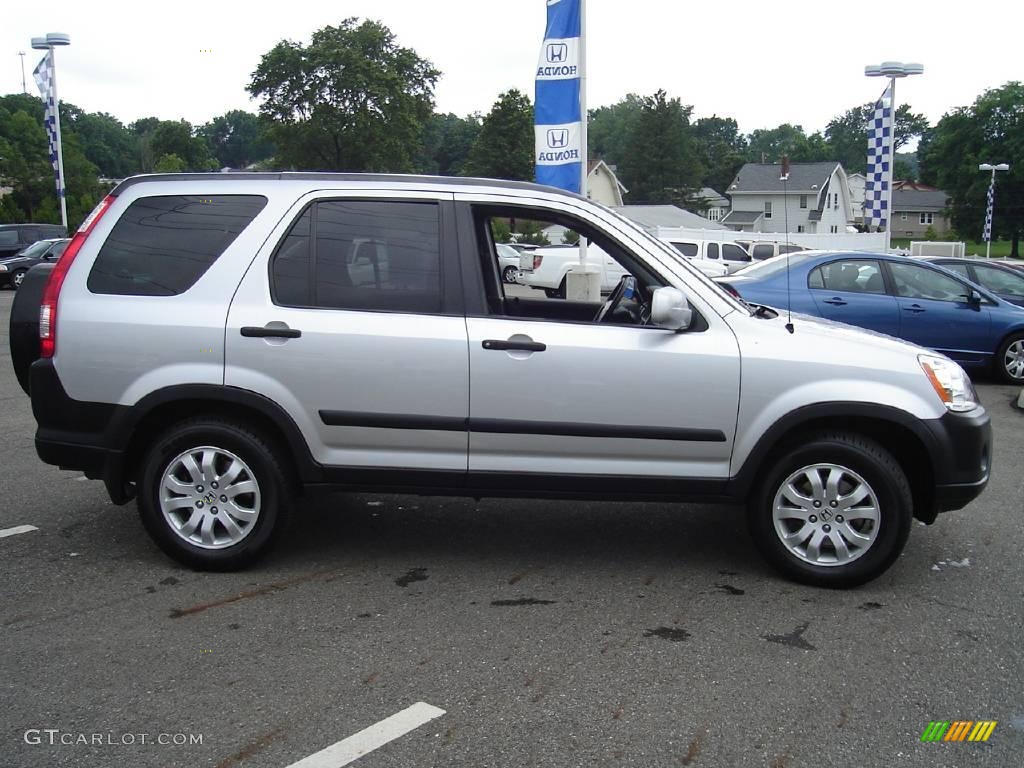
(217,345)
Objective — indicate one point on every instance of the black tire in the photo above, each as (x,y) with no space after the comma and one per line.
(16,277)
(509,275)
(266,468)
(883,475)
(556,293)
(999,364)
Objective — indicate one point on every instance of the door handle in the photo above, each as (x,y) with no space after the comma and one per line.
(835,301)
(256,332)
(508,346)
(915,308)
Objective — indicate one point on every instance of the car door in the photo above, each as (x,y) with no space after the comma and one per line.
(351,319)
(853,291)
(935,312)
(566,404)
(735,258)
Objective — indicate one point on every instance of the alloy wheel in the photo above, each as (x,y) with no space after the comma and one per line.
(1013,360)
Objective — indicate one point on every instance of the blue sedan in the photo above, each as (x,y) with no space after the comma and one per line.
(898,296)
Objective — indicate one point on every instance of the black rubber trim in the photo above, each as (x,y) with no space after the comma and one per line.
(508,346)
(516,427)
(393,421)
(577,429)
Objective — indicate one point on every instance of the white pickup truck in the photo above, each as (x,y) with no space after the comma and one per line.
(552,264)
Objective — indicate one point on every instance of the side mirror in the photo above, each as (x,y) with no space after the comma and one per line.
(974,298)
(670,309)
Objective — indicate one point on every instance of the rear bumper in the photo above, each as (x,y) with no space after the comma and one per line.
(962,457)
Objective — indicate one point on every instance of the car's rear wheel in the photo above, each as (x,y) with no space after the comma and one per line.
(835,511)
(1009,362)
(212,494)
(17,278)
(556,293)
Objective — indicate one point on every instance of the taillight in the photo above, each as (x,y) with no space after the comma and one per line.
(732,291)
(537,259)
(51,293)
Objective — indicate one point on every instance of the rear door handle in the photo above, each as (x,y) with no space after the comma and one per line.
(915,308)
(508,346)
(835,301)
(256,332)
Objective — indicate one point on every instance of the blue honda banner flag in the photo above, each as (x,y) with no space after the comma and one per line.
(557,123)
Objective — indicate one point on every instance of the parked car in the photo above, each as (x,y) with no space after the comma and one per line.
(14,238)
(761,250)
(551,265)
(508,260)
(731,254)
(1005,282)
(203,347)
(907,298)
(1015,264)
(13,268)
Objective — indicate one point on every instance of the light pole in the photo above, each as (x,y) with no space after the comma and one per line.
(48,43)
(24,89)
(989,210)
(893,70)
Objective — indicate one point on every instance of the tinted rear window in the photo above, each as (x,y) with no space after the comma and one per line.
(162,245)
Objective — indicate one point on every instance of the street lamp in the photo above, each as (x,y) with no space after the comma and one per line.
(48,43)
(991,202)
(893,70)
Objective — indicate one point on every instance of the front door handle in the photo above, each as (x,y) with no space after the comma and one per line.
(508,346)
(256,332)
(915,308)
(835,301)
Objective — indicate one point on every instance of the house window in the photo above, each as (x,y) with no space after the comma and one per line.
(799,227)
(834,229)
(803,201)
(767,209)
(903,217)
(926,218)
(835,201)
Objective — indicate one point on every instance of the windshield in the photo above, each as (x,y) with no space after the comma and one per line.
(36,249)
(774,265)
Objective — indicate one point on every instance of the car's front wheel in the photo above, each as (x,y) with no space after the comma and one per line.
(212,494)
(18,278)
(835,511)
(510,274)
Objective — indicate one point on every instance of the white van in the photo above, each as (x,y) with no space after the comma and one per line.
(726,252)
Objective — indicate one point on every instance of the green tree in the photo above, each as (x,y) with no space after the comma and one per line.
(847,134)
(237,139)
(176,137)
(504,147)
(106,143)
(659,164)
(721,149)
(609,128)
(352,100)
(768,145)
(445,144)
(170,164)
(991,130)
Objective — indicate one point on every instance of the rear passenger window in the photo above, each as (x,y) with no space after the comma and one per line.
(162,245)
(712,250)
(763,251)
(366,255)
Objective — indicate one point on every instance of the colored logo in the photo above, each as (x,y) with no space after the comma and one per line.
(958,730)
(557,53)
(558,138)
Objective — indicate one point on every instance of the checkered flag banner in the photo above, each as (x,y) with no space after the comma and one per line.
(880,150)
(987,234)
(43,75)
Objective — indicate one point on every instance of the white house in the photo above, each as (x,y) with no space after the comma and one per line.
(815,200)
(603,186)
(716,205)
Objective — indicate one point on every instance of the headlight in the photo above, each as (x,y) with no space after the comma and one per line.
(3,267)
(950,383)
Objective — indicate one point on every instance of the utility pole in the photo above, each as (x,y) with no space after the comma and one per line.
(23,88)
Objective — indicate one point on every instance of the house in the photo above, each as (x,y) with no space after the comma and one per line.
(815,199)
(655,217)
(603,186)
(916,207)
(715,206)
(857,182)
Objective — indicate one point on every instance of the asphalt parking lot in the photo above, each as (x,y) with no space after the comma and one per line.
(549,633)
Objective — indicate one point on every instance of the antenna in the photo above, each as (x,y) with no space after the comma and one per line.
(784,178)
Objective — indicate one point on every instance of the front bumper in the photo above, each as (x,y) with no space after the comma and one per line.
(962,457)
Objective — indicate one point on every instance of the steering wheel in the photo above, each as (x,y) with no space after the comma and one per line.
(626,289)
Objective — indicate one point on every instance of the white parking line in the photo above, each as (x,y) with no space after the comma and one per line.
(369,739)
(4,532)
